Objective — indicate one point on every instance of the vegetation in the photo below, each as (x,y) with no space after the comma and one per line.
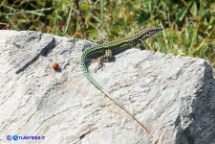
(189,25)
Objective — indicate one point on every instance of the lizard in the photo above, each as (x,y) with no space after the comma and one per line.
(107,50)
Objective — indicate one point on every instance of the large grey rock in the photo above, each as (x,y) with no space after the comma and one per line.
(173,97)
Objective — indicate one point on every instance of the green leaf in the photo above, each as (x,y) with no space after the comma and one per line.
(194,9)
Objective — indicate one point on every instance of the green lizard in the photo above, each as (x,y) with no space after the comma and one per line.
(107,50)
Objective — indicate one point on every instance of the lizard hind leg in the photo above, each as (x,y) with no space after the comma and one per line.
(106,57)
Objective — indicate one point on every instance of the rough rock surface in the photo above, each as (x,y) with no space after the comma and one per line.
(173,97)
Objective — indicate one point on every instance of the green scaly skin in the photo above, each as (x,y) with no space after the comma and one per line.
(108,49)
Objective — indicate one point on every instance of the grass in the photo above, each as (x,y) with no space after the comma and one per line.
(189,25)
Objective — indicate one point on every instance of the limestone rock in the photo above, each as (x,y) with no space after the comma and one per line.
(173,97)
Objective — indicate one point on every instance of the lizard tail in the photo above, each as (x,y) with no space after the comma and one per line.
(98,86)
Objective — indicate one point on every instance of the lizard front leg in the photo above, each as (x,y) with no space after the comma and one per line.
(141,47)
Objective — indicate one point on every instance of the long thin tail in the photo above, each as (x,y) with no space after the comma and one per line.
(98,86)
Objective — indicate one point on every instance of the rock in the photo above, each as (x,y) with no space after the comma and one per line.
(172,96)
